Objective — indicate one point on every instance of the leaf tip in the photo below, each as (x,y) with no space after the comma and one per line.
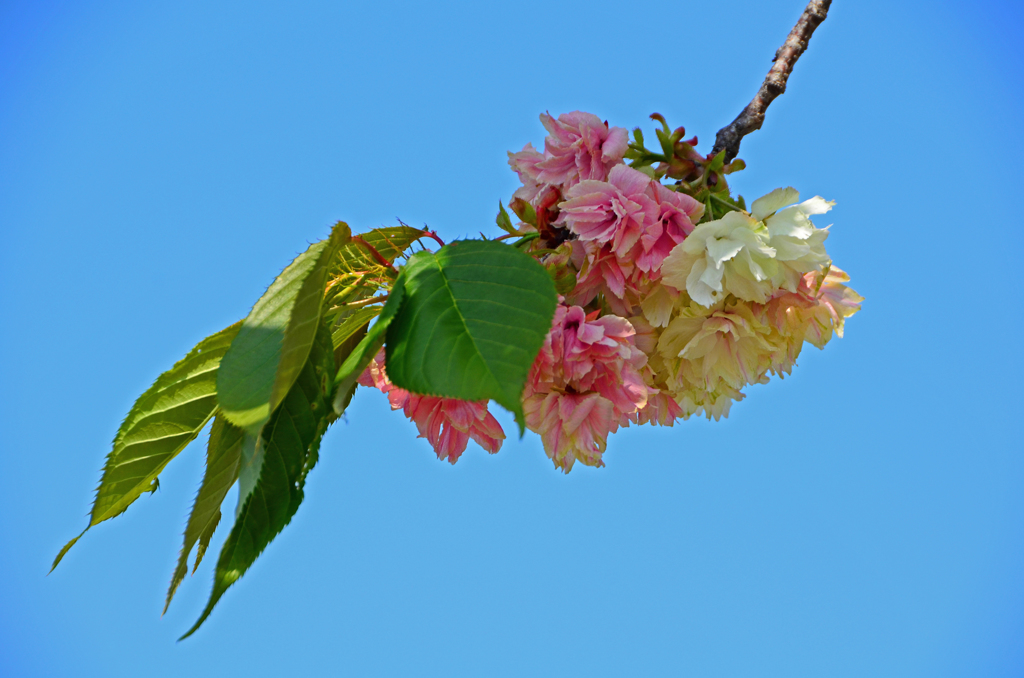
(63,551)
(340,234)
(520,419)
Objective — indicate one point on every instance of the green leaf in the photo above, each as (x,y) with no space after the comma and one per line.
(351,324)
(222,458)
(389,242)
(503,220)
(271,348)
(341,353)
(166,418)
(290,441)
(250,465)
(363,353)
(473,319)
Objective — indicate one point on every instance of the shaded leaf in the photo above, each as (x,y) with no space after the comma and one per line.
(166,418)
(274,342)
(250,465)
(351,324)
(341,353)
(473,318)
(290,441)
(363,353)
(223,453)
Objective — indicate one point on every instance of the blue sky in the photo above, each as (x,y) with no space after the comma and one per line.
(159,164)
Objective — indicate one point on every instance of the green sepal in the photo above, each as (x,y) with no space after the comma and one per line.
(503,221)
(717,162)
(524,210)
(666,141)
(734,166)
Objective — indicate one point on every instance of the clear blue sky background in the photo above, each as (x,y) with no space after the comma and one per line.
(160,162)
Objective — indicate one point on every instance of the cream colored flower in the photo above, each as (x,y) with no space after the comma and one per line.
(750,256)
(728,255)
(799,245)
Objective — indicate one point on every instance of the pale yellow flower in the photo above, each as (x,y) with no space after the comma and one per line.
(726,344)
(658,304)
(685,386)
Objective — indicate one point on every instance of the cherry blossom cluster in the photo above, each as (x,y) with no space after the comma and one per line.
(666,312)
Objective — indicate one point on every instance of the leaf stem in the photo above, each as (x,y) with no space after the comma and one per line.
(365,302)
(373,251)
(433,234)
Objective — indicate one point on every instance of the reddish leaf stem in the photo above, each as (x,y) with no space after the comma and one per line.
(433,234)
(373,252)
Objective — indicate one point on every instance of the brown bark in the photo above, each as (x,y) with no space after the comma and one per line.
(752,117)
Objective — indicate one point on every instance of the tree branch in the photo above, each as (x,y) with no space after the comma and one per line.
(752,117)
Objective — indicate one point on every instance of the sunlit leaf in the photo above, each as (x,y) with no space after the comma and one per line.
(274,342)
(389,242)
(166,418)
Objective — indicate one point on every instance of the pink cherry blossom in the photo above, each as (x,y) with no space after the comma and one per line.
(661,409)
(601,272)
(615,212)
(446,423)
(579,147)
(572,426)
(674,220)
(584,353)
(585,381)
(524,163)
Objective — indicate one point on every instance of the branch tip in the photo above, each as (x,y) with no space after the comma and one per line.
(752,117)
